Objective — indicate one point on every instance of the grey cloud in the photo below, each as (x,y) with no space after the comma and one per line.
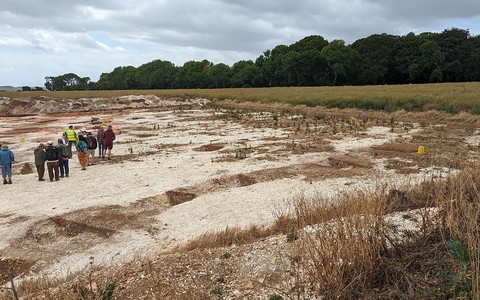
(217,30)
(245,25)
(51,8)
(418,11)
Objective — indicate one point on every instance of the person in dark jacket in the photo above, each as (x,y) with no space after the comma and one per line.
(63,156)
(92,146)
(108,138)
(40,159)
(101,149)
(52,161)
(6,160)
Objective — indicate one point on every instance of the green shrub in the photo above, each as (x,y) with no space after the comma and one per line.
(292,235)
(218,291)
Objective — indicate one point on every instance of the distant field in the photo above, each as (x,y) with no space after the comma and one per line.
(449,97)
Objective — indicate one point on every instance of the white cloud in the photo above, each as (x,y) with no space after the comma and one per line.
(14,41)
(103,46)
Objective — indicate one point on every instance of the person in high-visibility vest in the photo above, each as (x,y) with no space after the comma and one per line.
(70,137)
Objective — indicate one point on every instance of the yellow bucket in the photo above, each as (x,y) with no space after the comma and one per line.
(22,140)
(421,150)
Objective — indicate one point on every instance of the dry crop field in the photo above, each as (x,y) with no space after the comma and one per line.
(184,168)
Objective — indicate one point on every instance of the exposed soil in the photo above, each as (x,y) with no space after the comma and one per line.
(181,169)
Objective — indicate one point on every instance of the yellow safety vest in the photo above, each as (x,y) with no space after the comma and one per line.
(71,135)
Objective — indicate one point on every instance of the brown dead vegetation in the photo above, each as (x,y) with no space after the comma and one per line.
(210,147)
(177,197)
(26,169)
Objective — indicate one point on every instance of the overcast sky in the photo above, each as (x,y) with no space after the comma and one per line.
(42,38)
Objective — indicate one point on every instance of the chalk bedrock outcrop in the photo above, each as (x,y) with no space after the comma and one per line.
(43,104)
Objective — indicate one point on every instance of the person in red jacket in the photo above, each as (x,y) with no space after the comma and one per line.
(108,138)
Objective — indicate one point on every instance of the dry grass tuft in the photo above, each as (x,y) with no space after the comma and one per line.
(348,251)
(26,169)
(210,147)
(228,237)
(176,197)
(348,161)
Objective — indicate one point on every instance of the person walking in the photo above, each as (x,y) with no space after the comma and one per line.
(52,161)
(91,146)
(82,151)
(6,160)
(40,159)
(63,157)
(108,138)
(71,138)
(101,149)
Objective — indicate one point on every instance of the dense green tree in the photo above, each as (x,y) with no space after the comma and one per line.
(262,63)
(472,62)
(342,61)
(69,81)
(220,75)
(244,74)
(314,68)
(406,52)
(103,82)
(273,66)
(121,78)
(156,74)
(431,62)
(453,43)
(193,74)
(304,68)
(292,63)
(377,59)
(304,64)
(312,42)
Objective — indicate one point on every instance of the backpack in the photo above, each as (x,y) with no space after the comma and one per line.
(65,151)
(51,153)
(90,143)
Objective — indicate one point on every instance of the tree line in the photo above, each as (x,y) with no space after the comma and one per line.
(450,56)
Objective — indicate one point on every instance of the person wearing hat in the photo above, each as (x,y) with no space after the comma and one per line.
(6,160)
(82,151)
(40,159)
(52,161)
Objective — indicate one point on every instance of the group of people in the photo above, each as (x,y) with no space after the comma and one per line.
(57,156)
